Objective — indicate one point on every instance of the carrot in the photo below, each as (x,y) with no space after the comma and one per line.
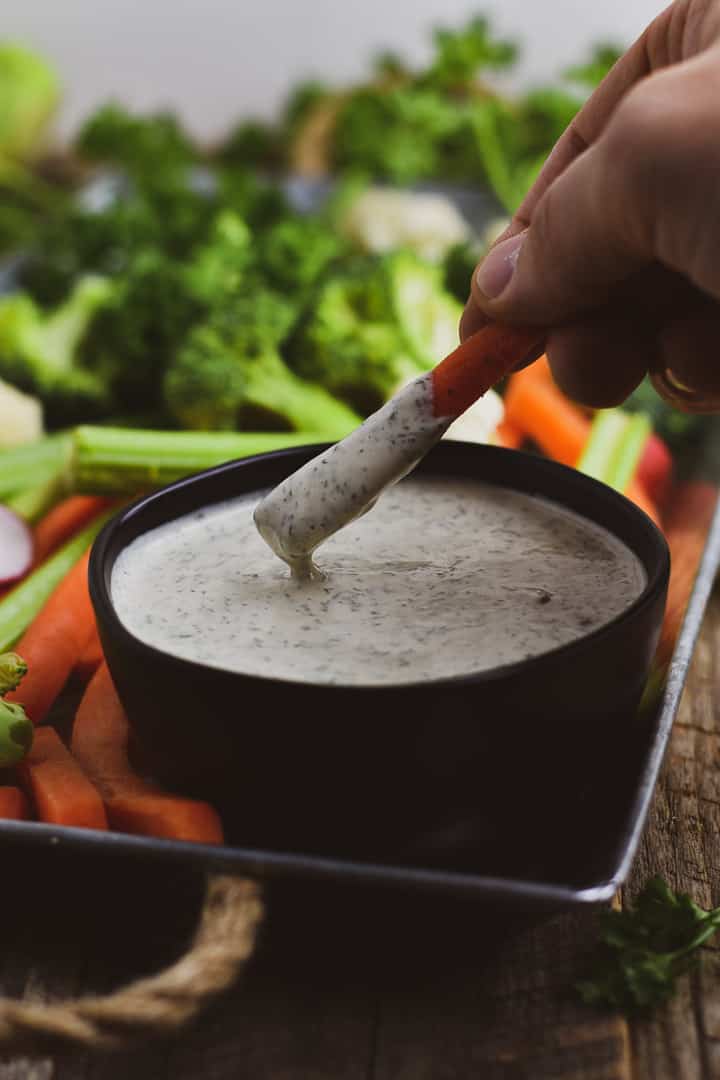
(60,790)
(637,494)
(508,435)
(100,743)
(13,804)
(477,364)
(64,520)
(691,509)
(54,642)
(542,412)
(91,657)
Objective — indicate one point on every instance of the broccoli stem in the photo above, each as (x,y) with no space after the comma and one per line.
(12,670)
(118,461)
(20,606)
(16,734)
(35,463)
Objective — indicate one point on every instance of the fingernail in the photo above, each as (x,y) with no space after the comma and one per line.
(494,274)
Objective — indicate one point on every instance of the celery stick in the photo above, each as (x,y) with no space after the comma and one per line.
(32,503)
(607,431)
(615,446)
(21,605)
(110,461)
(629,451)
(33,464)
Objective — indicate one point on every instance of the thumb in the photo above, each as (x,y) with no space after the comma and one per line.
(573,254)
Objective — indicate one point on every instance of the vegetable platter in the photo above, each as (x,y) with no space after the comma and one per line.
(167,307)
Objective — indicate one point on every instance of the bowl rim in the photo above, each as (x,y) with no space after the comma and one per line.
(99,573)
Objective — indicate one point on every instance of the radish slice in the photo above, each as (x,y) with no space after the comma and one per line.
(16,546)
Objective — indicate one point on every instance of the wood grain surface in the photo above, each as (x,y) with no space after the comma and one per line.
(367,986)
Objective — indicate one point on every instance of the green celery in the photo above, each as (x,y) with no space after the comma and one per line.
(635,435)
(35,464)
(615,447)
(21,605)
(606,435)
(33,502)
(116,461)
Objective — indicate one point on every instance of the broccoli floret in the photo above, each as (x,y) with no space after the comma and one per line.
(220,267)
(229,374)
(137,329)
(39,352)
(12,669)
(293,253)
(460,55)
(395,134)
(345,345)
(143,146)
(253,143)
(367,331)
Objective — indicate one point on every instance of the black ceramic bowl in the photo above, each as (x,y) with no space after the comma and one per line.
(361,769)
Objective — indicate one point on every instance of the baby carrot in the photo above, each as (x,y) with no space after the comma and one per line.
(91,657)
(64,520)
(100,744)
(508,435)
(477,364)
(54,642)
(13,804)
(60,790)
(540,409)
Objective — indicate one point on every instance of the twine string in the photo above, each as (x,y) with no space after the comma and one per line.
(157,1004)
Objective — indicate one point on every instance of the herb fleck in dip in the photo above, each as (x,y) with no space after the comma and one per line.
(446,577)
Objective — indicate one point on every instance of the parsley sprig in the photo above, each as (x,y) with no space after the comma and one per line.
(645,949)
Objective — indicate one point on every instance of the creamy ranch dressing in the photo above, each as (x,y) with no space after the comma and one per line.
(446,577)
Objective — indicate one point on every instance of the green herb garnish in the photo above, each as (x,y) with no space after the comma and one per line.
(645,949)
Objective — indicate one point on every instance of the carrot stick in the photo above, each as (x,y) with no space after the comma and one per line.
(100,743)
(637,494)
(508,435)
(477,364)
(60,790)
(91,657)
(541,410)
(64,520)
(13,804)
(691,508)
(54,642)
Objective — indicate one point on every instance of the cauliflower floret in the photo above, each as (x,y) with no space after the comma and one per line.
(21,416)
(381,219)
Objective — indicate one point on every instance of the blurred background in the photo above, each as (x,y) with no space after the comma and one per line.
(209,59)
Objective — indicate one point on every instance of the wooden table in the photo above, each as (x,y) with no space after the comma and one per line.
(348,987)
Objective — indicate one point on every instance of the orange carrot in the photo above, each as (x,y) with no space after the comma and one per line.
(13,804)
(508,435)
(477,364)
(637,494)
(691,508)
(543,413)
(64,520)
(100,743)
(91,657)
(54,642)
(60,790)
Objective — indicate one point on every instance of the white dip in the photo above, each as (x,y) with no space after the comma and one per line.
(445,577)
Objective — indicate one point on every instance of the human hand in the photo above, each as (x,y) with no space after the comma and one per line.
(616,248)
